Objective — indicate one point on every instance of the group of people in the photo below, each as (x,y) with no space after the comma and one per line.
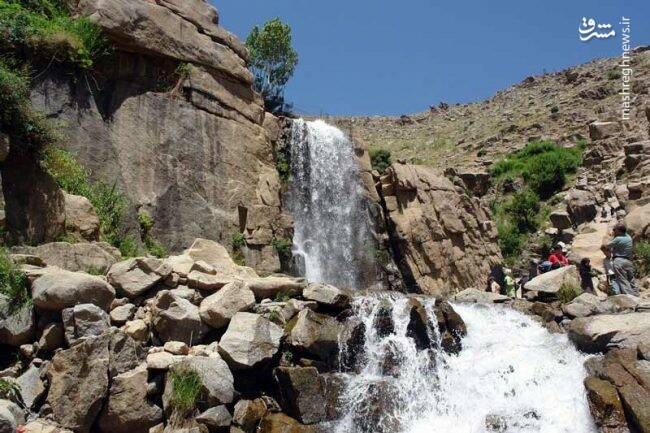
(618,267)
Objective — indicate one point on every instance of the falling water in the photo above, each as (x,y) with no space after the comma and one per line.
(512,376)
(331,237)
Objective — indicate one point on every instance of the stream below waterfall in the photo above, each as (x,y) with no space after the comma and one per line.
(512,376)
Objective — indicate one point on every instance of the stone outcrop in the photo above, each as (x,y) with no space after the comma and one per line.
(57,289)
(601,332)
(190,149)
(551,281)
(90,257)
(249,340)
(442,239)
(80,218)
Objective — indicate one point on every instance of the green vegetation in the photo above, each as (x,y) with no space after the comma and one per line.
(109,203)
(614,74)
(282,165)
(274,316)
(543,168)
(9,390)
(272,61)
(642,253)
(186,388)
(238,242)
(568,293)
(46,29)
(153,247)
(13,284)
(282,296)
(380,159)
(283,247)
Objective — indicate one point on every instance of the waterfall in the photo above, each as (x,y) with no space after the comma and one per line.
(331,237)
(511,376)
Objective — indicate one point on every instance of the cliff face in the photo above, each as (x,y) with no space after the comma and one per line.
(175,123)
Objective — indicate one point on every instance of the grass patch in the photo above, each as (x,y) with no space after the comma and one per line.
(543,168)
(380,160)
(186,388)
(567,293)
(642,253)
(153,247)
(13,284)
(109,203)
(283,248)
(238,242)
(44,28)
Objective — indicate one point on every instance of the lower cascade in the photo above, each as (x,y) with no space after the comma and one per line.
(511,375)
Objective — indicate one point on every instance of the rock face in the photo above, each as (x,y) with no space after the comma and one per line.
(83,321)
(314,333)
(16,327)
(57,289)
(193,150)
(302,392)
(96,257)
(444,239)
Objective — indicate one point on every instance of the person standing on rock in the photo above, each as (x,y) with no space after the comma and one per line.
(622,249)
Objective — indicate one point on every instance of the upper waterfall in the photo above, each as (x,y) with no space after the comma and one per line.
(331,238)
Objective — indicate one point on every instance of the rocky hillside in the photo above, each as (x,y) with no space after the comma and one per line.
(556,106)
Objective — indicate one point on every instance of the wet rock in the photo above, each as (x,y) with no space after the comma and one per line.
(217,309)
(128,408)
(314,333)
(418,327)
(605,405)
(353,337)
(84,321)
(249,340)
(79,382)
(379,410)
(57,289)
(281,423)
(302,393)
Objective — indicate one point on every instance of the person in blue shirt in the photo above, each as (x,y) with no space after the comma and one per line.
(622,250)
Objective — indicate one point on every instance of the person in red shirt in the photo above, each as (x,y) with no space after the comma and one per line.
(557,258)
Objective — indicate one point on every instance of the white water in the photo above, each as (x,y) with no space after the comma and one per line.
(510,369)
(331,236)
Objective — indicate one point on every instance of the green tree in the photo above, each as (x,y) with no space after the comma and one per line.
(272,61)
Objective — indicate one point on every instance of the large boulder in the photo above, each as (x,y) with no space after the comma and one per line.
(327,295)
(281,423)
(91,257)
(551,281)
(217,382)
(128,409)
(587,244)
(270,287)
(135,276)
(445,238)
(17,325)
(32,387)
(599,130)
(11,416)
(79,382)
(638,222)
(605,405)
(248,413)
(581,206)
(302,391)
(216,255)
(476,296)
(217,309)
(84,321)
(215,418)
(57,289)
(249,340)
(177,319)
(599,333)
(314,333)
(80,217)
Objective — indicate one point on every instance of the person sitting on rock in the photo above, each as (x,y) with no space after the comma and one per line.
(622,249)
(586,275)
(557,257)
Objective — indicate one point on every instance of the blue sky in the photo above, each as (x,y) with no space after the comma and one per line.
(381,57)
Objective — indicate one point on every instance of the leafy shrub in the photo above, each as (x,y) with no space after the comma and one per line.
(510,240)
(109,203)
(47,29)
(555,109)
(17,118)
(238,241)
(380,159)
(614,74)
(186,388)
(523,209)
(642,252)
(13,284)
(154,247)
(568,293)
(274,316)
(283,247)
(282,166)
(9,390)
